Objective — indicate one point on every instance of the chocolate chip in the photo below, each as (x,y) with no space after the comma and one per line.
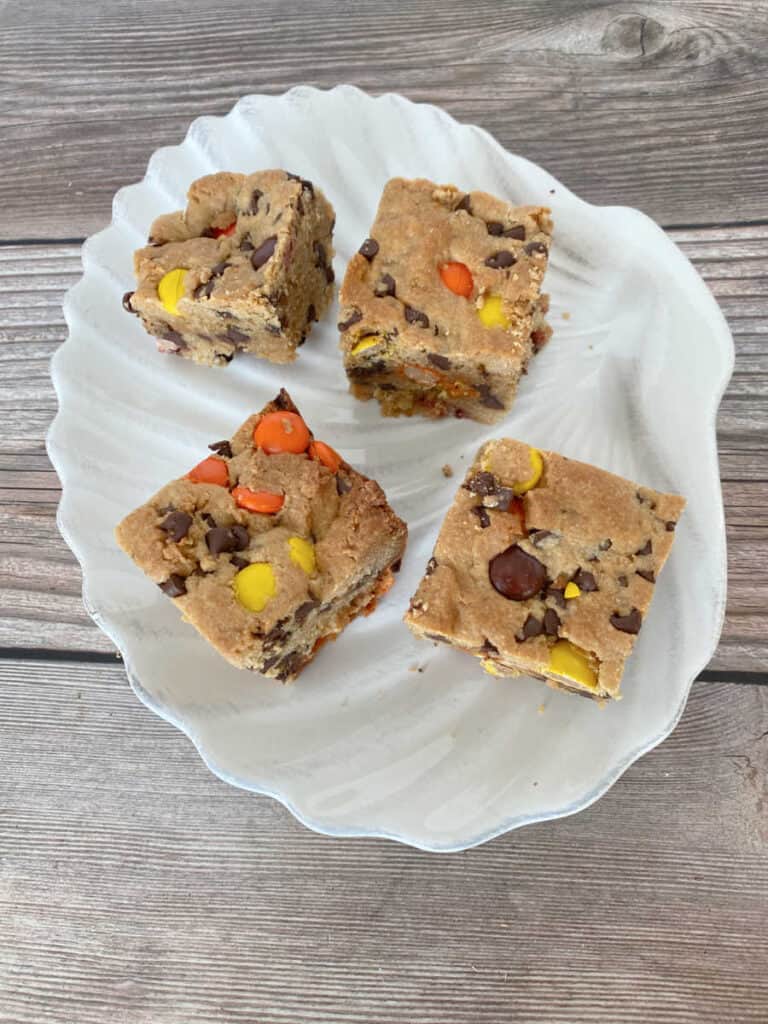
(369,248)
(299,205)
(127,303)
(218,269)
(415,316)
(343,484)
(622,581)
(646,549)
(537,537)
(495,228)
(321,257)
(264,252)
(208,518)
(557,595)
(203,291)
(515,574)
(282,400)
(441,362)
(277,634)
(239,563)
(585,581)
(267,664)
(517,231)
(396,565)
(531,627)
(482,515)
(488,647)
(437,637)
(536,247)
(365,372)
(384,286)
(670,526)
(487,398)
(481,483)
(254,203)
(311,313)
(304,182)
(538,339)
(246,245)
(176,525)
(235,335)
(500,260)
(464,204)
(303,611)
(551,622)
(169,334)
(353,318)
(431,566)
(504,500)
(459,414)
(222,539)
(174,586)
(330,277)
(647,574)
(627,623)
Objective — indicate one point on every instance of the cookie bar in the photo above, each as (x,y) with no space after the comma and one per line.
(441,308)
(247,266)
(545,567)
(271,545)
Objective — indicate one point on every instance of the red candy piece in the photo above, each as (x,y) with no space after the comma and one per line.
(228,230)
(210,471)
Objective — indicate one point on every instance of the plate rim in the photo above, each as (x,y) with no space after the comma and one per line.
(720,332)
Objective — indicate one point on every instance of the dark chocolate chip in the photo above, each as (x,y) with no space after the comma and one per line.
(585,581)
(365,372)
(203,291)
(557,595)
(536,537)
(531,627)
(515,574)
(630,623)
(218,269)
(224,357)
(321,257)
(384,286)
(487,398)
(495,227)
(670,526)
(264,252)
(303,611)
(536,247)
(127,303)
(304,182)
(235,335)
(481,483)
(176,525)
(646,549)
(431,566)
(353,318)
(330,277)
(441,362)
(174,586)
(464,204)
(551,622)
(482,515)
(396,565)
(223,539)
(488,647)
(622,581)
(369,248)
(647,574)
(170,335)
(223,448)
(500,260)
(277,634)
(517,231)
(311,313)
(238,562)
(246,245)
(343,484)
(299,205)
(415,316)
(269,662)
(208,518)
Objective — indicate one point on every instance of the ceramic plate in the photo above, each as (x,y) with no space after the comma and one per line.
(384,735)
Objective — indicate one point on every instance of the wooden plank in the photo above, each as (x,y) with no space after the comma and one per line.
(137,888)
(40,602)
(661,106)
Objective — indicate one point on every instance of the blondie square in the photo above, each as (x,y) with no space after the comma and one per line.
(441,308)
(270,546)
(247,266)
(545,567)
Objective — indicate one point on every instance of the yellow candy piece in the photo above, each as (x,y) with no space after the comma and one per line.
(171,288)
(255,586)
(537,468)
(571,590)
(303,554)
(490,667)
(367,341)
(570,661)
(491,314)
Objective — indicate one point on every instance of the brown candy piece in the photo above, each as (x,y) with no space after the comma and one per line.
(515,574)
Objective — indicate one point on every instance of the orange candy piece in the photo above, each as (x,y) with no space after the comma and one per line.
(258,501)
(281,432)
(457,277)
(210,471)
(228,230)
(324,453)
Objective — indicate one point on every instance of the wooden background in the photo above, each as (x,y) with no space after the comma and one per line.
(135,888)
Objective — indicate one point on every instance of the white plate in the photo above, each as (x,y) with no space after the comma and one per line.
(445,757)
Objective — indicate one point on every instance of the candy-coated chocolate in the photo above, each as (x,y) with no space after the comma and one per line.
(255,586)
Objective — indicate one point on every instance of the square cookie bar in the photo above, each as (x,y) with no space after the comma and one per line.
(247,266)
(441,309)
(545,567)
(270,546)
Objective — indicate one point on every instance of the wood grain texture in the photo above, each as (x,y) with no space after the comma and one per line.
(40,602)
(140,902)
(651,104)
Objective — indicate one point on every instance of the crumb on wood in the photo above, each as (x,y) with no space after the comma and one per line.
(447,470)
